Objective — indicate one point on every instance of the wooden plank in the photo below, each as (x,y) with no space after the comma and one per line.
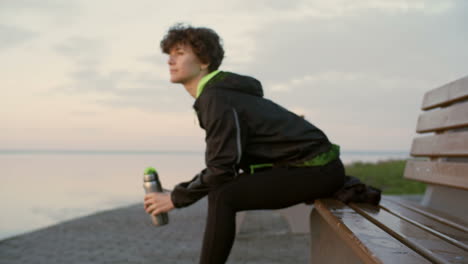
(452,117)
(371,243)
(425,243)
(452,174)
(446,232)
(446,94)
(446,145)
(431,213)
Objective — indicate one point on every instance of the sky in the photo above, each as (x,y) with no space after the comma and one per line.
(89,75)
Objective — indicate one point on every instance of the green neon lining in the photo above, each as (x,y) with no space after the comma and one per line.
(258,166)
(323,158)
(204,80)
(319,160)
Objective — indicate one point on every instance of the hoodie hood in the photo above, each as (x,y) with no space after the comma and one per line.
(236,82)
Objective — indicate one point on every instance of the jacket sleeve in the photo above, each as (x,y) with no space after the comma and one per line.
(187,193)
(225,140)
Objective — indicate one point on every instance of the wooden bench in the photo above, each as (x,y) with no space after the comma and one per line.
(398,230)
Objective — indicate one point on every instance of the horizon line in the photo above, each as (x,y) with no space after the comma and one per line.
(136,151)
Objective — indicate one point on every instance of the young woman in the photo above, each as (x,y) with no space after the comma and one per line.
(259,155)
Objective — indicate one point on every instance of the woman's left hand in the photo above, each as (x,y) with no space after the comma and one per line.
(157,202)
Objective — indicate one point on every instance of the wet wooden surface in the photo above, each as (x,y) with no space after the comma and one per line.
(439,226)
(460,224)
(418,239)
(367,236)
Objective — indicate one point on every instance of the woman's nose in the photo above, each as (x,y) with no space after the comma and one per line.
(170,60)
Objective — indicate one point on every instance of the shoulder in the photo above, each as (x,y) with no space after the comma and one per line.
(214,98)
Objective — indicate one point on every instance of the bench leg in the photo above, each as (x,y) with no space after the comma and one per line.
(297,217)
(240,216)
(446,200)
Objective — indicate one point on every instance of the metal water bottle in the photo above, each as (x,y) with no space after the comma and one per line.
(151,183)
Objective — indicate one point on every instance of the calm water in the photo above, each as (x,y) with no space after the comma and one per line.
(41,188)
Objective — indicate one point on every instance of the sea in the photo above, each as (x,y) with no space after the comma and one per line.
(39,188)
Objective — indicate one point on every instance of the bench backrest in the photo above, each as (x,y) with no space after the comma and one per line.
(441,154)
(447,148)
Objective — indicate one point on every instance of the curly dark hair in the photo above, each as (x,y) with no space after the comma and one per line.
(206,44)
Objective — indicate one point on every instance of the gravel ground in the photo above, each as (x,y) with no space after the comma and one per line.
(126,235)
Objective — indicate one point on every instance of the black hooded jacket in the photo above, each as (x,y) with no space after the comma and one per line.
(243,128)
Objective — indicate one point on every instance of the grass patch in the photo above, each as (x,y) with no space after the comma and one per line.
(386,175)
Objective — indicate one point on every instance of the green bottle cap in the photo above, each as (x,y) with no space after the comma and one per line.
(150,170)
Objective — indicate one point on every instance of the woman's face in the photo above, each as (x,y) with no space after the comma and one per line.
(184,65)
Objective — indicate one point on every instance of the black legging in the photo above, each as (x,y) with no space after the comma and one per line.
(271,189)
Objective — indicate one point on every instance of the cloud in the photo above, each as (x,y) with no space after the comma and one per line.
(390,44)
(125,89)
(351,106)
(45,5)
(155,59)
(12,36)
(316,79)
(82,50)
(340,8)
(108,86)
(31,12)
(332,9)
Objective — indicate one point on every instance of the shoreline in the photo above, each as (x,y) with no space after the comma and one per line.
(88,206)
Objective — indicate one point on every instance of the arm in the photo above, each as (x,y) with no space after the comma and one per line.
(224,146)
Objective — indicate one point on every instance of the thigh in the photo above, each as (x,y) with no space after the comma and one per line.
(281,187)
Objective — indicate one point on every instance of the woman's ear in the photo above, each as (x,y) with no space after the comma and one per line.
(204,66)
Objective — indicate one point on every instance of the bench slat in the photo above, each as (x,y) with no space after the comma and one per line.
(446,94)
(454,116)
(445,145)
(436,215)
(368,241)
(446,232)
(451,174)
(425,243)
